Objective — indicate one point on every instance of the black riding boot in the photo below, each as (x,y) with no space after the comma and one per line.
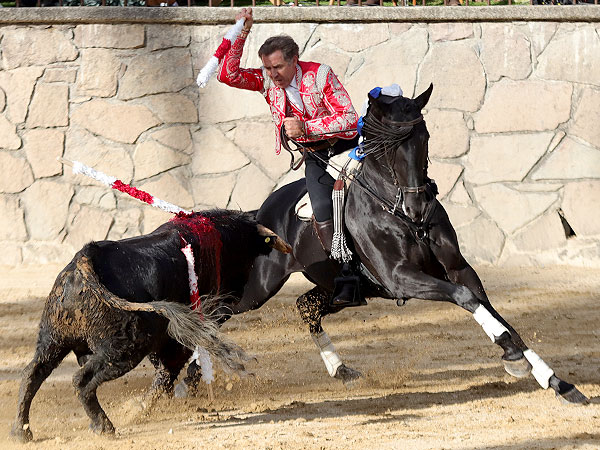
(325,234)
(346,290)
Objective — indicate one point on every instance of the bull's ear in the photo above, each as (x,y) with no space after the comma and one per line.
(273,240)
(422,99)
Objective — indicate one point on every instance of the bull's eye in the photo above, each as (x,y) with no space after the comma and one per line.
(267,240)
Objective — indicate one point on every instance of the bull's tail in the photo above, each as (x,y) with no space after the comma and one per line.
(186,325)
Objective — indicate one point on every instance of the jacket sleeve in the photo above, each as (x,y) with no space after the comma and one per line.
(343,115)
(230,72)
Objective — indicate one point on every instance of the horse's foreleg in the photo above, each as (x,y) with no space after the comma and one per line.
(465,291)
(417,284)
(515,362)
(466,276)
(313,306)
(518,359)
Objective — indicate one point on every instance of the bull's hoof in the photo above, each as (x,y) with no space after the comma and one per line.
(104,427)
(572,397)
(21,433)
(519,368)
(347,375)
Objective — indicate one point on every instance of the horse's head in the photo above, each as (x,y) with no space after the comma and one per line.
(395,134)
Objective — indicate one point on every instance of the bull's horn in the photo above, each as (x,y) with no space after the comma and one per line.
(272,239)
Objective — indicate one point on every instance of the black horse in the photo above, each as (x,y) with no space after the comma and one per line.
(402,236)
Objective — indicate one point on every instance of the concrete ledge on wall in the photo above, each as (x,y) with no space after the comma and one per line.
(321,14)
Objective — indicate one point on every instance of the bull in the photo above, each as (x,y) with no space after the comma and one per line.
(117,302)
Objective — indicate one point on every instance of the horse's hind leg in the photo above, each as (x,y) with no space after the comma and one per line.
(48,356)
(313,306)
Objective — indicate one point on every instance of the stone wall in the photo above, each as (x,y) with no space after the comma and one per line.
(514,123)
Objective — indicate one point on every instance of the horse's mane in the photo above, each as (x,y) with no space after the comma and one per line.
(382,135)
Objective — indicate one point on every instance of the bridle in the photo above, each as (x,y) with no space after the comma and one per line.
(385,131)
(388,133)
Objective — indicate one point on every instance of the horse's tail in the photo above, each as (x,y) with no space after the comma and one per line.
(189,327)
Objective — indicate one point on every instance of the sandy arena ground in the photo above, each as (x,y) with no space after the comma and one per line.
(432,379)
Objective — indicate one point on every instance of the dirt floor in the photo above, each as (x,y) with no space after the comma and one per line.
(432,379)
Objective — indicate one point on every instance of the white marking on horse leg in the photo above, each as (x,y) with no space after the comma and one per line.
(330,357)
(540,370)
(492,326)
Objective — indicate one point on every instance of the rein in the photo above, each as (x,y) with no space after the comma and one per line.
(302,148)
(387,131)
(285,143)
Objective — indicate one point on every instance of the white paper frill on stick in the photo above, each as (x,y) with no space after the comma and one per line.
(213,63)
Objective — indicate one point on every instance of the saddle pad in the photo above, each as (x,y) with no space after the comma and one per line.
(336,164)
(303,208)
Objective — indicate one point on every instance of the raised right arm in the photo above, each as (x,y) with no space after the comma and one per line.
(230,71)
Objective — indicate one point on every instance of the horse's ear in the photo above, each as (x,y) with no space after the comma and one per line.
(372,100)
(422,99)
(372,103)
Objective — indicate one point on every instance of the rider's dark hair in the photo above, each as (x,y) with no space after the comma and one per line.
(283,42)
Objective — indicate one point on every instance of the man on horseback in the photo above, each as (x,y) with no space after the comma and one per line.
(401,232)
(310,105)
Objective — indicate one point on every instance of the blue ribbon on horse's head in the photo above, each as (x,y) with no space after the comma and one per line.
(357,153)
(359,125)
(393,90)
(375,92)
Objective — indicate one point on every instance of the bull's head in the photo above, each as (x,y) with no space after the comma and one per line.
(273,240)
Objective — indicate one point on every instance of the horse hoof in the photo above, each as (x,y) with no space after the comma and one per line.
(572,397)
(519,368)
(22,434)
(347,375)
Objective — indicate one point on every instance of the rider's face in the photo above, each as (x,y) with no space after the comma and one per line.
(282,72)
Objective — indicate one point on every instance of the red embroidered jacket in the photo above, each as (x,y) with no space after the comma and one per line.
(328,109)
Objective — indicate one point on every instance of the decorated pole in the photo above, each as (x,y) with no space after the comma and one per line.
(114,183)
(213,63)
